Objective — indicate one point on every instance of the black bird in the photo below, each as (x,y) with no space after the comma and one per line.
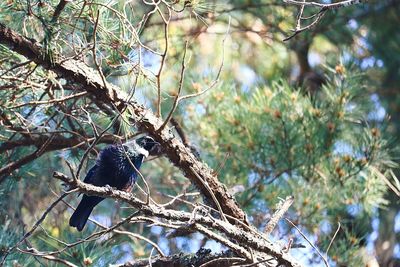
(114,168)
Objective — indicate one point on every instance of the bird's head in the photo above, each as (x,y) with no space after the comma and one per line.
(149,144)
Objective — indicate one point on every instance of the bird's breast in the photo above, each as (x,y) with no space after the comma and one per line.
(117,169)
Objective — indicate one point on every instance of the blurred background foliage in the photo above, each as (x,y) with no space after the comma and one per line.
(316,117)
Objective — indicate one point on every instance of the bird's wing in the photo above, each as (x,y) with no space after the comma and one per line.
(138,162)
(132,179)
(90,175)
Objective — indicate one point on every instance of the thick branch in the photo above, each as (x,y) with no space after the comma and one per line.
(245,238)
(89,80)
(58,142)
(281,209)
(203,256)
(44,144)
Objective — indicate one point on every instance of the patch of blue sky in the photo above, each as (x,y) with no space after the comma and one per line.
(379,63)
(252,178)
(347,57)
(379,112)
(350,107)
(102,219)
(363,44)
(125,250)
(373,236)
(247,77)
(208,71)
(164,245)
(396,250)
(213,245)
(354,209)
(352,24)
(375,224)
(368,62)
(261,205)
(397,223)
(314,59)
(294,72)
(156,230)
(304,254)
(141,97)
(200,110)
(370,242)
(325,226)
(148,59)
(189,245)
(343,148)
(36,117)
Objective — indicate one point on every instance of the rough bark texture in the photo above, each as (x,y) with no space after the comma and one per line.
(85,78)
(249,238)
(203,256)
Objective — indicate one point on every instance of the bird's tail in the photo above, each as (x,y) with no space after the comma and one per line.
(82,213)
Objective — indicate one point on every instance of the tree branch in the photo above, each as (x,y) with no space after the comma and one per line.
(336,5)
(248,238)
(323,8)
(202,257)
(89,80)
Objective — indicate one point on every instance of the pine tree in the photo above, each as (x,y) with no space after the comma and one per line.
(255,120)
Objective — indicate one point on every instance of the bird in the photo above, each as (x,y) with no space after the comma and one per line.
(114,168)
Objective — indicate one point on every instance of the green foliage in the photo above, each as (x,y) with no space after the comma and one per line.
(254,127)
(280,142)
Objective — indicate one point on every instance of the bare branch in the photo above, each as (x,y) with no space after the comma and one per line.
(281,209)
(323,8)
(202,258)
(176,100)
(79,74)
(37,223)
(36,253)
(336,5)
(232,232)
(309,242)
(61,5)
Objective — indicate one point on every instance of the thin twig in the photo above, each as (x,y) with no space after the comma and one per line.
(35,253)
(163,59)
(98,66)
(309,242)
(336,5)
(177,97)
(323,8)
(219,69)
(333,238)
(38,222)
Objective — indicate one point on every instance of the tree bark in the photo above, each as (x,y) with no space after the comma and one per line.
(87,79)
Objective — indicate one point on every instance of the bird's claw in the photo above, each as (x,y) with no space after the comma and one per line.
(108,188)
